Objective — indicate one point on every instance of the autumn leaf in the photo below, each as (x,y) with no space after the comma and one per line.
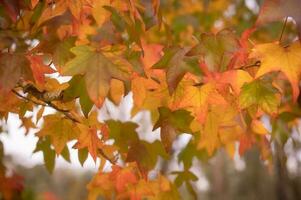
(117,91)
(39,69)
(217,50)
(119,181)
(220,130)
(196,99)
(97,69)
(171,124)
(77,89)
(258,127)
(44,145)
(190,151)
(285,59)
(99,13)
(259,93)
(149,93)
(184,176)
(124,134)
(59,129)
(175,67)
(12,68)
(146,154)
(88,138)
(61,53)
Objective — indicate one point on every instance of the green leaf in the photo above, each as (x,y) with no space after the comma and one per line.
(175,67)
(171,124)
(62,53)
(66,154)
(190,151)
(216,49)
(184,176)
(123,133)
(77,89)
(259,93)
(82,155)
(98,71)
(44,145)
(146,154)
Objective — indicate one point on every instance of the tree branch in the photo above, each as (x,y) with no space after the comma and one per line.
(49,104)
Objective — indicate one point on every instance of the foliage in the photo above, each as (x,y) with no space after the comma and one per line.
(181,62)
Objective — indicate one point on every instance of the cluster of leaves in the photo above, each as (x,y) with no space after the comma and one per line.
(215,85)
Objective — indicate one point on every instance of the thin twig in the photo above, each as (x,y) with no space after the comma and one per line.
(113,162)
(256,64)
(49,104)
(65,112)
(283,29)
(28,99)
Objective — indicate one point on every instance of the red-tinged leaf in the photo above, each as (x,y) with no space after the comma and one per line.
(173,63)
(123,178)
(39,69)
(217,50)
(13,67)
(88,138)
(152,54)
(171,124)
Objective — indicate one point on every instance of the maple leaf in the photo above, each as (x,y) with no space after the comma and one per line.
(218,131)
(124,134)
(12,68)
(276,58)
(61,53)
(98,71)
(59,129)
(44,145)
(172,123)
(184,176)
(217,50)
(77,89)
(190,151)
(88,138)
(259,93)
(176,67)
(117,91)
(258,127)
(196,98)
(149,93)
(274,10)
(146,154)
(39,69)
(99,12)
(27,124)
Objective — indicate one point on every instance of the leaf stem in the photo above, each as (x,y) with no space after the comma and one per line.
(256,64)
(283,29)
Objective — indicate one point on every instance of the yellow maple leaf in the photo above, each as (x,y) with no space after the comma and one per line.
(277,58)
(196,98)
